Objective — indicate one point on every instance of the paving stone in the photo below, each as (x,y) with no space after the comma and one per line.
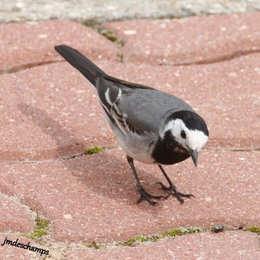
(31,43)
(14,216)
(93,198)
(228,245)
(8,251)
(51,115)
(50,111)
(190,40)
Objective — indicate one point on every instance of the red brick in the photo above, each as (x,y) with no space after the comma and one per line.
(14,216)
(189,40)
(229,245)
(32,43)
(46,115)
(93,198)
(51,115)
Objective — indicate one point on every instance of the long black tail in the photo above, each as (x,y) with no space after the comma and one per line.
(81,63)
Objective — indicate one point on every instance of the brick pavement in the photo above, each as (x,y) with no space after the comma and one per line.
(50,115)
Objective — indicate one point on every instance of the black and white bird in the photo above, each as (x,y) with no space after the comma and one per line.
(151,126)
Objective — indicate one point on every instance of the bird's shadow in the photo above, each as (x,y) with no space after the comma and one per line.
(118,185)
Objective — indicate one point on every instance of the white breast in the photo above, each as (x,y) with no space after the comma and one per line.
(137,147)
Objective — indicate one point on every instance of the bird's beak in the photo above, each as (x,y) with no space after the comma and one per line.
(194,155)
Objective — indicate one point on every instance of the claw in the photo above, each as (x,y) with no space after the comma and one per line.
(147,197)
(151,202)
(172,191)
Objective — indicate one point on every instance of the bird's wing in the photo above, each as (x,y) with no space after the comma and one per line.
(134,107)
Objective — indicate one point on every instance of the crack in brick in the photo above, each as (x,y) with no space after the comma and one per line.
(60,247)
(113,37)
(114,147)
(44,161)
(230,57)
(120,57)
(27,66)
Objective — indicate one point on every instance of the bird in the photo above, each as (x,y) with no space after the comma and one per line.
(151,126)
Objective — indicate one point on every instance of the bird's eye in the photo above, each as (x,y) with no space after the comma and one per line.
(183,134)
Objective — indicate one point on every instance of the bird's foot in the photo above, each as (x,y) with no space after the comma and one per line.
(173,192)
(146,196)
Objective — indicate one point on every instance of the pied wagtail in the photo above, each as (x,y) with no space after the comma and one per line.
(151,126)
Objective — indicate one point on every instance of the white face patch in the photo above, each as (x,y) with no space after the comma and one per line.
(195,139)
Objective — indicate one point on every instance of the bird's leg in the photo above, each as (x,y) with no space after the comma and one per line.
(144,195)
(172,189)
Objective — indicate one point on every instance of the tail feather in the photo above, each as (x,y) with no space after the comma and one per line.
(81,63)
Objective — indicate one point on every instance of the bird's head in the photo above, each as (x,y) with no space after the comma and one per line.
(188,131)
